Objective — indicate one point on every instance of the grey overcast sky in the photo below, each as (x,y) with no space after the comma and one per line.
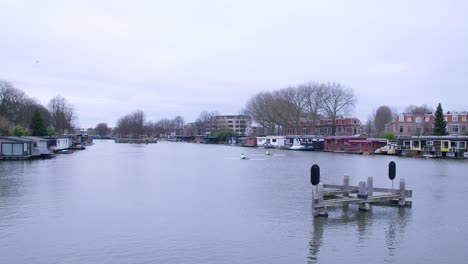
(174,57)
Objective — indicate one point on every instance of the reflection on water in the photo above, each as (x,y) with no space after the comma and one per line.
(393,221)
(193,203)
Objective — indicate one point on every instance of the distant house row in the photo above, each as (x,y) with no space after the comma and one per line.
(402,125)
(40,147)
(409,124)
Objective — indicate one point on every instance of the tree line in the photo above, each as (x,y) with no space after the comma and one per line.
(22,115)
(134,125)
(276,109)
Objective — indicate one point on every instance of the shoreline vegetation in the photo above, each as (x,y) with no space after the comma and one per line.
(136,140)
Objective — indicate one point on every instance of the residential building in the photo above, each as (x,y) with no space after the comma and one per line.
(409,124)
(239,124)
(345,126)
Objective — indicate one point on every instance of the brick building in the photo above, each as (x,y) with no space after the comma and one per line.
(408,124)
(344,127)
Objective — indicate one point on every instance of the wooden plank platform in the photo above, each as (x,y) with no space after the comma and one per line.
(329,195)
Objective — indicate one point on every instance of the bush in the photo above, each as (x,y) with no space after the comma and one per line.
(389,135)
(19,131)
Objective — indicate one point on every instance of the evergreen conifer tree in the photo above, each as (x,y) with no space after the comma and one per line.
(37,125)
(439,123)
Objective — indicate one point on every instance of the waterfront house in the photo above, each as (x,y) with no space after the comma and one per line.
(271,141)
(61,143)
(433,146)
(368,145)
(15,148)
(343,144)
(205,139)
(250,142)
(41,146)
(305,142)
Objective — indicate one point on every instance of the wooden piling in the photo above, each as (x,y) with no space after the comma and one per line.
(319,208)
(402,193)
(370,186)
(363,195)
(346,185)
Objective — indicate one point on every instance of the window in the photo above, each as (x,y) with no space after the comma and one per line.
(410,119)
(7,149)
(401,118)
(454,128)
(445,144)
(415,144)
(410,129)
(418,119)
(426,119)
(454,118)
(463,128)
(462,145)
(401,129)
(463,118)
(273,140)
(17,149)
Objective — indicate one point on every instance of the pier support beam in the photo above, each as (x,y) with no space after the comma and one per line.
(370,186)
(363,195)
(319,208)
(346,185)
(402,192)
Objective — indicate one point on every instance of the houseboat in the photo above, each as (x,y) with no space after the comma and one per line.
(41,147)
(353,144)
(304,142)
(16,148)
(250,142)
(205,139)
(433,146)
(61,144)
(271,141)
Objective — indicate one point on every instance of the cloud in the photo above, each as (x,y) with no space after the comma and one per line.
(173,58)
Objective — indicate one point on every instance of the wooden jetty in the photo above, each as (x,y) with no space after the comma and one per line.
(328,195)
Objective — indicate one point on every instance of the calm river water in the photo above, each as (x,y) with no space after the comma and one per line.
(191,203)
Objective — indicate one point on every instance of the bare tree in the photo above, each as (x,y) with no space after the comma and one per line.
(202,122)
(261,109)
(12,101)
(337,100)
(294,102)
(369,127)
(382,116)
(5,126)
(102,129)
(62,114)
(421,109)
(313,97)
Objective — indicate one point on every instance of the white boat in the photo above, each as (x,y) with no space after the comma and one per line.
(389,149)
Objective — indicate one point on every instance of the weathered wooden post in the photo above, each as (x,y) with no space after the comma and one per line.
(370,186)
(317,195)
(402,192)
(320,210)
(346,185)
(363,195)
